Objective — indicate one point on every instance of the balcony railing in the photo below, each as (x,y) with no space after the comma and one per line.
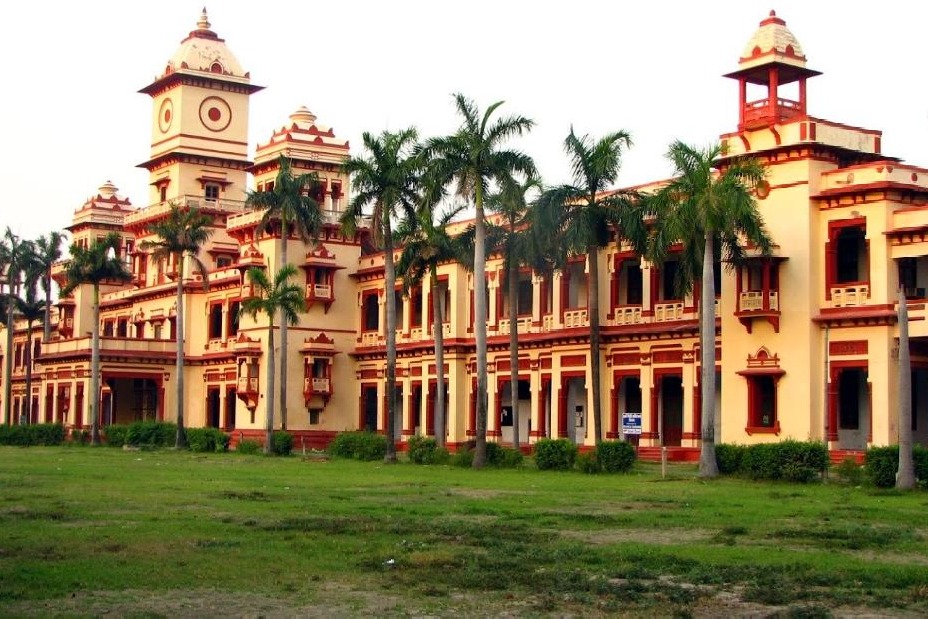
(850,296)
(547,322)
(760,110)
(627,315)
(523,325)
(576,318)
(316,385)
(162,208)
(318,291)
(247,384)
(753,301)
(445,329)
(370,338)
(110,345)
(668,311)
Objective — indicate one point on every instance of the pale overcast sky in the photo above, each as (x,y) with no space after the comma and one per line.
(71,117)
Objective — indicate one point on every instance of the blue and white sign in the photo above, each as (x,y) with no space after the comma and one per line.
(631,424)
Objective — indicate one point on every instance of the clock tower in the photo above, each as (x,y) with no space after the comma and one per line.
(199,143)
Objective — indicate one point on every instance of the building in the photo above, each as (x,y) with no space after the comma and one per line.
(807,337)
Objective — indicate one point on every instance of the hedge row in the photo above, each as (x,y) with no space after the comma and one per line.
(497,456)
(786,460)
(142,434)
(32,434)
(882,463)
(366,446)
(562,455)
(424,450)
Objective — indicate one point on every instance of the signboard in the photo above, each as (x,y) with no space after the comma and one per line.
(631,424)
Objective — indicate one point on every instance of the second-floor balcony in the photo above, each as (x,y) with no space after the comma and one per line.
(576,318)
(523,325)
(627,315)
(320,292)
(111,346)
(753,301)
(850,295)
(664,312)
(317,386)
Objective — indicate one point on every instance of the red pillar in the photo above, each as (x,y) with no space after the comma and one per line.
(742,100)
(832,434)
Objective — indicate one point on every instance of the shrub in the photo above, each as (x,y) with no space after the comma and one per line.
(850,472)
(151,434)
(366,446)
(729,458)
(424,450)
(504,457)
(589,463)
(80,437)
(207,440)
(555,454)
(116,435)
(248,447)
(882,464)
(35,434)
(615,456)
(463,457)
(788,460)
(920,455)
(281,443)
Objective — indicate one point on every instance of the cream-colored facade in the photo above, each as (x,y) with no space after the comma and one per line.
(807,337)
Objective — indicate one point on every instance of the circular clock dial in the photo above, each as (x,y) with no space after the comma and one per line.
(165,115)
(215,113)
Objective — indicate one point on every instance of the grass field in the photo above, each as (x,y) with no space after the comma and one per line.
(159,533)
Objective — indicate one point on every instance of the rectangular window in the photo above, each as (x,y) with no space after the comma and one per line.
(525,297)
(122,327)
(764,405)
(215,321)
(211,191)
(234,311)
(315,415)
(156,330)
(108,328)
(371,319)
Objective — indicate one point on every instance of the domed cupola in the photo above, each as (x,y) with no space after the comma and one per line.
(772,57)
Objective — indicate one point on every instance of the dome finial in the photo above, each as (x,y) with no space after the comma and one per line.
(772,13)
(203,22)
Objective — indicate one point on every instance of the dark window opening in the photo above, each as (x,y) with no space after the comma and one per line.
(525,297)
(211,191)
(669,281)
(215,321)
(315,414)
(764,402)
(122,327)
(234,311)
(851,256)
(371,313)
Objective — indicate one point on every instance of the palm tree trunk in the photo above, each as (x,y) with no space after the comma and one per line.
(514,347)
(480,328)
(28,399)
(905,478)
(592,258)
(95,369)
(439,360)
(269,388)
(708,467)
(180,442)
(47,326)
(390,284)
(8,357)
(284,237)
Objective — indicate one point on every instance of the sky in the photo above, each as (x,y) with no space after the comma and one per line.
(71,117)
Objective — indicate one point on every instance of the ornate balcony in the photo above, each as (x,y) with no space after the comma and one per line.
(850,295)
(664,312)
(576,318)
(628,315)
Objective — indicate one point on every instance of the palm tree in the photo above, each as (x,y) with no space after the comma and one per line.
(180,236)
(31,308)
(47,253)
(589,215)
(426,245)
(273,297)
(473,158)
(704,206)
(388,180)
(95,265)
(290,202)
(15,255)
(905,478)
(516,240)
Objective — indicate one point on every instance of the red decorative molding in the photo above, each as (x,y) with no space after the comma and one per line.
(667,356)
(851,347)
(573,360)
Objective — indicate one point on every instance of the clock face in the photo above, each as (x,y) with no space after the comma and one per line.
(165,115)
(215,113)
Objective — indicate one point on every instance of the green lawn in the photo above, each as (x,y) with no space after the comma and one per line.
(161,533)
